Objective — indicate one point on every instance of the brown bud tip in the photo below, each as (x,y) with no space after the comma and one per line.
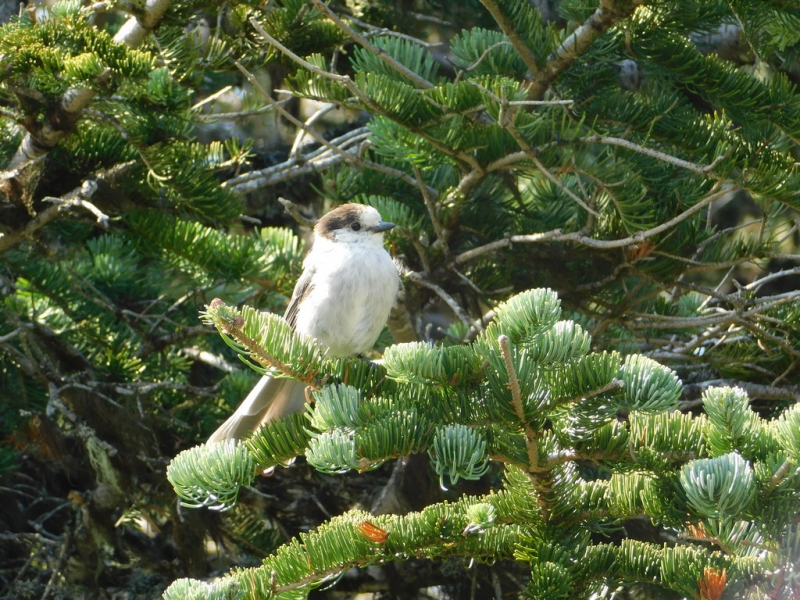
(216,303)
(76,497)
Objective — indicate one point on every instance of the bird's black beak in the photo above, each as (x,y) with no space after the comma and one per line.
(382,226)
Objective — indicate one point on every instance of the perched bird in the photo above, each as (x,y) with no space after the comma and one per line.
(343,298)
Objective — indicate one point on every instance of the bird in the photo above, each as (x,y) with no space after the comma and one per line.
(342,300)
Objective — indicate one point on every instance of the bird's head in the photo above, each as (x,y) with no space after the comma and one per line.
(352,224)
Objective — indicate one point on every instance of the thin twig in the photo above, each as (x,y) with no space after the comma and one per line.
(442,234)
(212,97)
(289,116)
(780,474)
(506,122)
(479,60)
(345,156)
(673,160)
(420,248)
(230,116)
(301,134)
(557,235)
(295,213)
(375,31)
(448,299)
(62,557)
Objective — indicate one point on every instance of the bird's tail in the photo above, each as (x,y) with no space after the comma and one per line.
(270,399)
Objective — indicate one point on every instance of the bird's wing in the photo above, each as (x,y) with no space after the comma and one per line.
(301,289)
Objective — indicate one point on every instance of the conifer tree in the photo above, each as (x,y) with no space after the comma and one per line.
(596,204)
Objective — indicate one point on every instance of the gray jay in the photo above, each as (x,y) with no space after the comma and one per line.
(343,298)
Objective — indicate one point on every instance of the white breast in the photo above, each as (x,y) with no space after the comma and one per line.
(354,288)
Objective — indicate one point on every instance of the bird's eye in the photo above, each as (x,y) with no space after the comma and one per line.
(355,226)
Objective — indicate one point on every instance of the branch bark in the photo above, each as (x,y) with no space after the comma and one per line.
(608,14)
(43,138)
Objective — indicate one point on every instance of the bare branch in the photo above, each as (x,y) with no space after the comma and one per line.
(301,134)
(135,29)
(755,391)
(214,360)
(679,162)
(77,198)
(448,299)
(295,213)
(558,235)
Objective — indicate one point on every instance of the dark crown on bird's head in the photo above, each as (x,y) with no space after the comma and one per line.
(354,217)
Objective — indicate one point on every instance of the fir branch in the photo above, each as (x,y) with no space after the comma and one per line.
(531,438)
(368,102)
(233,328)
(379,52)
(513,35)
(49,134)
(608,14)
